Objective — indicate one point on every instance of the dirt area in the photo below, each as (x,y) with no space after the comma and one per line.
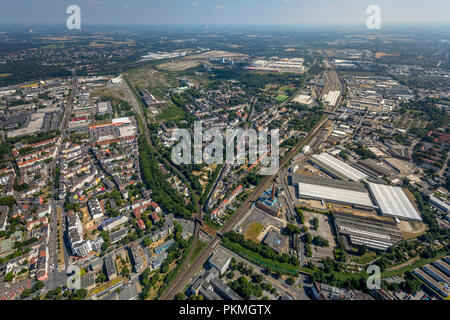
(312,204)
(309,170)
(179,65)
(411,230)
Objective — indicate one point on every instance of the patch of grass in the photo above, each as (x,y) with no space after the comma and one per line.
(365,258)
(104,286)
(281,97)
(253,231)
(171,113)
(198,248)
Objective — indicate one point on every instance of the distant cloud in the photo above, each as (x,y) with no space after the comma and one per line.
(195,4)
(220,7)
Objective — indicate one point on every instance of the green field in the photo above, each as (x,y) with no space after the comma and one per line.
(281,97)
(365,258)
(171,113)
(253,231)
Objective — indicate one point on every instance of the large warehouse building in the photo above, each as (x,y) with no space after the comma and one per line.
(336,191)
(393,202)
(373,232)
(336,168)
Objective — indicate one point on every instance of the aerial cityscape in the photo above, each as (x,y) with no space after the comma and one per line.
(207,155)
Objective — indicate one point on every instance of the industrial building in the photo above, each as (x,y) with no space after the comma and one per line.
(336,168)
(373,168)
(438,203)
(374,233)
(393,202)
(156,262)
(337,191)
(269,203)
(442,289)
(443,265)
(331,98)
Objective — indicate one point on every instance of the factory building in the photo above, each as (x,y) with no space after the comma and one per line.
(336,168)
(373,232)
(443,266)
(373,168)
(269,203)
(393,202)
(336,191)
(441,288)
(438,203)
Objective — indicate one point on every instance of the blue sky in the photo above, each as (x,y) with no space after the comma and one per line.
(225,11)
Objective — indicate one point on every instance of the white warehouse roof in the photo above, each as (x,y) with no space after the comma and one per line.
(393,202)
(341,167)
(333,194)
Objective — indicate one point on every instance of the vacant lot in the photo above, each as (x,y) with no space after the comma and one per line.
(324,231)
(253,231)
(261,218)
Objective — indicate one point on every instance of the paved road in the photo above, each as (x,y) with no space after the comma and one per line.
(58,277)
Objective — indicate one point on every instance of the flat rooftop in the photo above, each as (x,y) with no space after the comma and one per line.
(334,194)
(325,182)
(328,162)
(393,202)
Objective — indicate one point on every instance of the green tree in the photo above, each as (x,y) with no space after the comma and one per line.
(181,296)
(290,281)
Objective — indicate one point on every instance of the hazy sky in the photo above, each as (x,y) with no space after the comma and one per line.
(225,11)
